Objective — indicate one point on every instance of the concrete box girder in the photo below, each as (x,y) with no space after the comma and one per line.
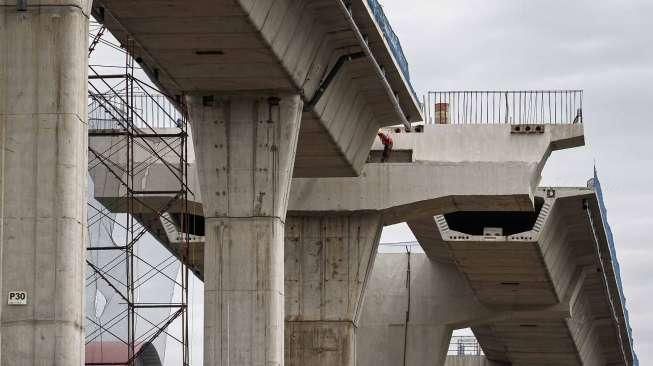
(580,328)
(549,265)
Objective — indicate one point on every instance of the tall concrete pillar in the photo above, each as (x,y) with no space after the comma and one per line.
(328,261)
(43,98)
(245,150)
(412,306)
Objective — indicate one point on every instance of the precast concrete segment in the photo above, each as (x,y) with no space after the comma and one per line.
(245,150)
(328,260)
(43,62)
(399,190)
(402,191)
(445,158)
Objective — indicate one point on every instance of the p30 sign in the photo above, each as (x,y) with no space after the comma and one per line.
(17,298)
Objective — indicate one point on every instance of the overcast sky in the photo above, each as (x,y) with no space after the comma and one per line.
(604,47)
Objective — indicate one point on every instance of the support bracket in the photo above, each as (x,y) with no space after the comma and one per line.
(329,78)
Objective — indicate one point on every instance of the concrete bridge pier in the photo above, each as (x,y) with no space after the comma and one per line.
(412,306)
(43,133)
(245,150)
(328,262)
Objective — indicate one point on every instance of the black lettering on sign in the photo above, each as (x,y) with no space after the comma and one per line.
(17,298)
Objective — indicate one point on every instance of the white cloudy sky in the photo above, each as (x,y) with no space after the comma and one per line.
(604,47)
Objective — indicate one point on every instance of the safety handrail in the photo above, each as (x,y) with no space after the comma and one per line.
(511,107)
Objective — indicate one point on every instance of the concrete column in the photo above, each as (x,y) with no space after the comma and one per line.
(411,309)
(328,261)
(43,98)
(245,150)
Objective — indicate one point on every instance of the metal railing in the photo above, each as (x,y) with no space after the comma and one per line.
(464,346)
(155,109)
(512,107)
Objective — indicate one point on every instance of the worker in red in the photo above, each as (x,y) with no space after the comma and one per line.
(386,140)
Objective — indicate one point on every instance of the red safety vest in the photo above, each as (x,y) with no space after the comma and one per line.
(385,139)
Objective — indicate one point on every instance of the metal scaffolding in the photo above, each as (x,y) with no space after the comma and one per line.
(137,299)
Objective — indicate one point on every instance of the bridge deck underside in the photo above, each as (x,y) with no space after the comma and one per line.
(559,273)
(505,273)
(230,46)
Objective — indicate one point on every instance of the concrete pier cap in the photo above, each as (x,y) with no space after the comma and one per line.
(245,147)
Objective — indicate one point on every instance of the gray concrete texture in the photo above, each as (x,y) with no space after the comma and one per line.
(443,176)
(328,259)
(43,174)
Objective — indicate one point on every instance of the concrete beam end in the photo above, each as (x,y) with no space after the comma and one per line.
(567,136)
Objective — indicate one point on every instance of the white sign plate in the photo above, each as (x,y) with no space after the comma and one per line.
(17,298)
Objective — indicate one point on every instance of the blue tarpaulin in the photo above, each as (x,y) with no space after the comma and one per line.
(392,39)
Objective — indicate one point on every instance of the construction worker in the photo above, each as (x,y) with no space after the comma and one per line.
(386,140)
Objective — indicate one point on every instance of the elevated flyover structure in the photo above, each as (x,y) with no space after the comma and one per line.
(273,90)
(333,224)
(540,288)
